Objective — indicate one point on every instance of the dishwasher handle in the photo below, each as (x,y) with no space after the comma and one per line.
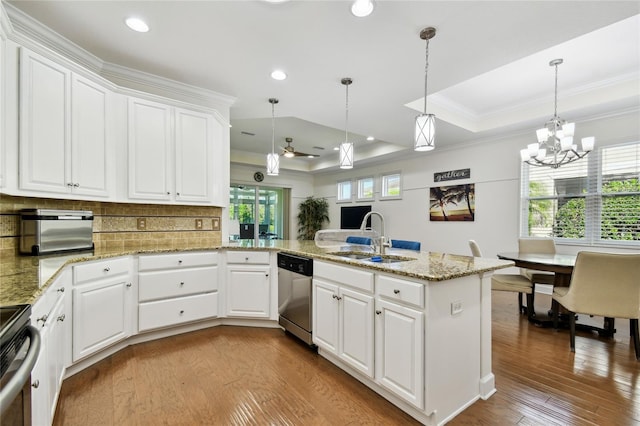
(23,373)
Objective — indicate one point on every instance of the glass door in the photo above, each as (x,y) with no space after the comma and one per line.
(257,212)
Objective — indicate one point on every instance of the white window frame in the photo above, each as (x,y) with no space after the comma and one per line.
(360,186)
(593,199)
(339,187)
(384,186)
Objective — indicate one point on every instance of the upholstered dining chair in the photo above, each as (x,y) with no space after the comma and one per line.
(517,283)
(537,245)
(602,284)
(359,240)
(408,245)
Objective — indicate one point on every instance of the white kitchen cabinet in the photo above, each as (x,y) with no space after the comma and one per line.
(249,289)
(103,303)
(171,153)
(50,315)
(64,146)
(400,338)
(176,288)
(343,322)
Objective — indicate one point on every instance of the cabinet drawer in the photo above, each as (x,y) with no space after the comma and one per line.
(248,257)
(401,290)
(102,269)
(164,284)
(164,313)
(350,276)
(177,260)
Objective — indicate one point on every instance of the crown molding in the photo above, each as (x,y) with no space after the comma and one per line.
(28,32)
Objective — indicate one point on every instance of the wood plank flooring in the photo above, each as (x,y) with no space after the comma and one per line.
(248,376)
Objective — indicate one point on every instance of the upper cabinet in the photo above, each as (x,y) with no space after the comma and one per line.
(171,153)
(64,146)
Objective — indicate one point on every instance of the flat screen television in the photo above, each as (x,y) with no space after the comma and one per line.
(351,217)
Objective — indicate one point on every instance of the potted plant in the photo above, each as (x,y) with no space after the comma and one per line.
(312,214)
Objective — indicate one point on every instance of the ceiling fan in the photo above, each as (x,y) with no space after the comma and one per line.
(290,152)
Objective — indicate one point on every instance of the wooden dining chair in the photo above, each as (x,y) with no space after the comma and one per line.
(517,283)
(603,284)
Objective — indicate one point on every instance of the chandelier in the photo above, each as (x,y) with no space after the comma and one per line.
(273,159)
(555,145)
(425,127)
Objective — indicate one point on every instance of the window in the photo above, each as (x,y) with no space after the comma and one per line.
(365,188)
(344,191)
(594,201)
(391,186)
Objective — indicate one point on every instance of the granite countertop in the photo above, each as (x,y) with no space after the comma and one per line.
(24,278)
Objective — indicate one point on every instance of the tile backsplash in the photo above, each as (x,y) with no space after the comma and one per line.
(115,225)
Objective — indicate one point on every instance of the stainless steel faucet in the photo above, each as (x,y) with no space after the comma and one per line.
(383,241)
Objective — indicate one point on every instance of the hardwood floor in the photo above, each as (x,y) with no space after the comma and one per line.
(248,376)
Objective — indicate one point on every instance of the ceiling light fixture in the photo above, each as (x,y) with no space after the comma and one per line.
(137,24)
(425,132)
(346,147)
(362,8)
(273,159)
(278,75)
(555,145)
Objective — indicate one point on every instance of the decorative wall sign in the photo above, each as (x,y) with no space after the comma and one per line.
(452,203)
(216,223)
(452,175)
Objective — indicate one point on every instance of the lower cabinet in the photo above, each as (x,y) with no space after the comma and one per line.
(248,285)
(103,297)
(50,316)
(343,317)
(176,289)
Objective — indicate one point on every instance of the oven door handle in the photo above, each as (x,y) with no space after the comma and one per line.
(23,373)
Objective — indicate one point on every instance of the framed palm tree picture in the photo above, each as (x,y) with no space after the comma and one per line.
(454,203)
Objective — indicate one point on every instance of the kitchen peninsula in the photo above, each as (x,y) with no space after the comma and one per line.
(438,303)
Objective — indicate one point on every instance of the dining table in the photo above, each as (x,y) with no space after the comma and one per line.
(562,267)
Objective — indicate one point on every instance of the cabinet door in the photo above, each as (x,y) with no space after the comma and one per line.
(56,340)
(44,157)
(101,315)
(40,390)
(194,156)
(89,143)
(325,315)
(356,330)
(248,291)
(400,351)
(149,150)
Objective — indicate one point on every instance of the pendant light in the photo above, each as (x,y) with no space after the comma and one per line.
(425,131)
(346,147)
(273,159)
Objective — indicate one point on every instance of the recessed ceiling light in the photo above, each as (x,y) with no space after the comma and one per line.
(370,138)
(362,8)
(276,1)
(278,75)
(137,24)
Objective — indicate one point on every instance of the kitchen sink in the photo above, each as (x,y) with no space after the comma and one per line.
(371,257)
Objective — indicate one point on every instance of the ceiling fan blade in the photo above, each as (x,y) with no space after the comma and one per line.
(302,154)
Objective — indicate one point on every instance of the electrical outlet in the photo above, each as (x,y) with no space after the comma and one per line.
(456,307)
(142,223)
(198,223)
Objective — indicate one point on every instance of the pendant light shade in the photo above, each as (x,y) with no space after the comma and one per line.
(346,147)
(273,159)
(425,128)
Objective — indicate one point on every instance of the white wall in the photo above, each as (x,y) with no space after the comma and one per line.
(495,170)
(300,183)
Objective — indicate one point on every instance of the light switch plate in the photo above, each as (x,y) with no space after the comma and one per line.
(456,307)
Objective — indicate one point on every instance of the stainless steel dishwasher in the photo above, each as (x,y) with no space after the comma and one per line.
(294,295)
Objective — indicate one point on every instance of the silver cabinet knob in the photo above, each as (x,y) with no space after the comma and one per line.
(181,283)
(60,290)
(107,269)
(378,312)
(69,184)
(168,193)
(396,291)
(179,262)
(43,319)
(129,284)
(35,384)
(61,317)
(177,193)
(75,185)
(181,312)
(246,259)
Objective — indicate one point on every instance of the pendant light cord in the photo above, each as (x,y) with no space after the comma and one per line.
(346,121)
(273,128)
(426,70)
